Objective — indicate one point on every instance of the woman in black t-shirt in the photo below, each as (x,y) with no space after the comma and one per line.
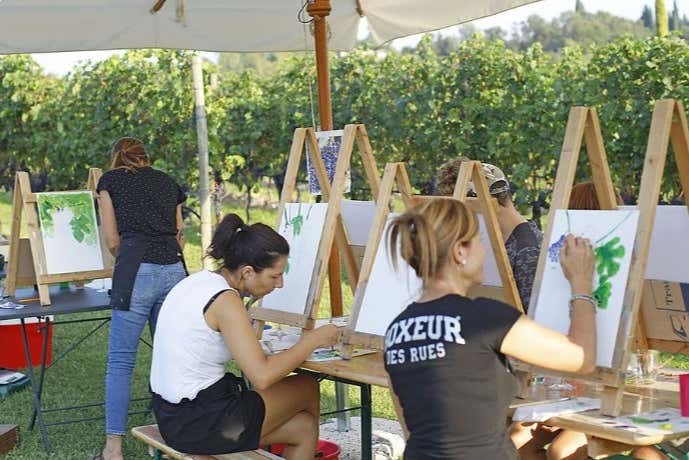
(446,354)
(141,213)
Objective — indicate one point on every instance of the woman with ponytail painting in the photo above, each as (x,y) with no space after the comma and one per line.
(141,213)
(453,349)
(203,324)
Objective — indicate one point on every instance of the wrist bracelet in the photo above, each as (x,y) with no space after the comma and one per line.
(589,298)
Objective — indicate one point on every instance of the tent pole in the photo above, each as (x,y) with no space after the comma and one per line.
(202,142)
(319,10)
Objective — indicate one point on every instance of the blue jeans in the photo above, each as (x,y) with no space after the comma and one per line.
(152,284)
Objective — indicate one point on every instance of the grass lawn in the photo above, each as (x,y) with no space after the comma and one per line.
(79,378)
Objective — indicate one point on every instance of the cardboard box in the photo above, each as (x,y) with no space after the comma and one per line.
(665,310)
(9,437)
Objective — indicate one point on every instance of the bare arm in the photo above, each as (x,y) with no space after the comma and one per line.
(532,343)
(109,222)
(180,227)
(540,346)
(228,315)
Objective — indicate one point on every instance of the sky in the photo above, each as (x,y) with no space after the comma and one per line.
(61,63)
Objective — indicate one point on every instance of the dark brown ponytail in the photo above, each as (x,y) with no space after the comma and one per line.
(236,244)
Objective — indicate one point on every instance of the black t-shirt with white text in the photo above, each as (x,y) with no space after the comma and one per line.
(454,385)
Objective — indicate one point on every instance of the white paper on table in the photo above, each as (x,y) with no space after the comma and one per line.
(542,412)
(7,377)
(655,422)
(339,321)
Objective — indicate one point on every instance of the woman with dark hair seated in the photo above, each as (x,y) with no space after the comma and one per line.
(203,324)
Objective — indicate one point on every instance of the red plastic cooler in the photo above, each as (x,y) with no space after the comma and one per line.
(12,346)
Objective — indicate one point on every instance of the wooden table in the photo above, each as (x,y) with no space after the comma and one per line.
(605,440)
(362,371)
(369,370)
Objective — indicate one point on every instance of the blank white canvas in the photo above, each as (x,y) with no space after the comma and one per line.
(358,218)
(491,275)
(552,309)
(304,238)
(63,252)
(388,291)
(668,256)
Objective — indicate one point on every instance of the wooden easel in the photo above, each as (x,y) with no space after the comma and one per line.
(92,184)
(668,127)
(353,133)
(24,201)
(334,226)
(486,206)
(396,174)
(305,319)
(583,125)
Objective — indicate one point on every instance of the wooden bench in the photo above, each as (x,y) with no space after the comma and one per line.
(151,436)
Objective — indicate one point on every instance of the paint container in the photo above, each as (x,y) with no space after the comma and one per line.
(649,363)
(684,394)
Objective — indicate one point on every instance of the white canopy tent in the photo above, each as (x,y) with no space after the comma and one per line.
(39,26)
(33,26)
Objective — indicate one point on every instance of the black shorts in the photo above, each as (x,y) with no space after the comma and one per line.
(223,418)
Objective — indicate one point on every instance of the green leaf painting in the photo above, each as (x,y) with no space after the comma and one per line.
(609,256)
(294,225)
(82,224)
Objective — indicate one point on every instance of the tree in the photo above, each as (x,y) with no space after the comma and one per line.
(495,33)
(675,23)
(467,31)
(579,7)
(584,29)
(261,63)
(647,18)
(444,45)
(661,18)
(24,92)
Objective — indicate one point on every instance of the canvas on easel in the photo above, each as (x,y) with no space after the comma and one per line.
(665,302)
(383,290)
(64,239)
(311,229)
(583,124)
(669,328)
(612,235)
